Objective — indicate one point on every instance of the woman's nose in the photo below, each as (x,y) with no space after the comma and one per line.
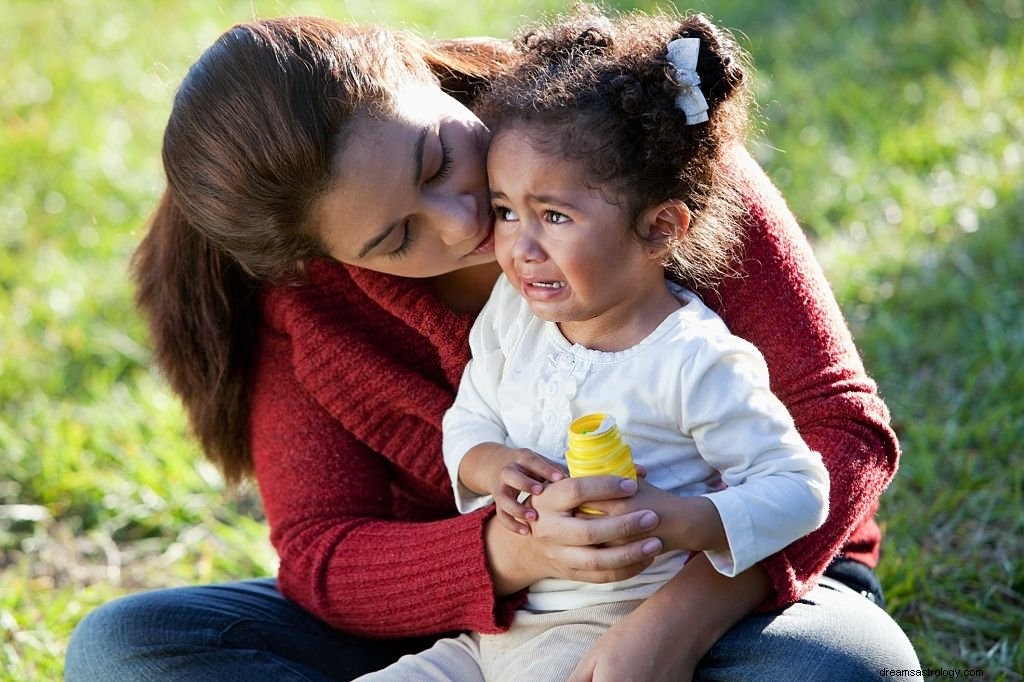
(458,218)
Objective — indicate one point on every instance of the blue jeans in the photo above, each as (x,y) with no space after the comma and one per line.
(248,631)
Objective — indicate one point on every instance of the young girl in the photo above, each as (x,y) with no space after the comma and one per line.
(589,212)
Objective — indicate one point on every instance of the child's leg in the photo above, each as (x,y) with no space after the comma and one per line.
(545,647)
(452,659)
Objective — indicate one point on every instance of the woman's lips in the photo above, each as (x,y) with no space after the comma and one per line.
(487,245)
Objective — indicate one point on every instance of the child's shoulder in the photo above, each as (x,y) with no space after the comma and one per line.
(701,326)
(695,313)
(506,313)
(505,303)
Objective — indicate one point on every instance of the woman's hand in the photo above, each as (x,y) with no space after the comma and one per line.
(561,545)
(686,523)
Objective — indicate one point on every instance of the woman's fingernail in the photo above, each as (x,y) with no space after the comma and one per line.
(628,485)
(648,520)
(651,547)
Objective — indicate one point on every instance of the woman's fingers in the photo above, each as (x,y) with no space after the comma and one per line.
(595,549)
(586,529)
(608,564)
(555,509)
(572,492)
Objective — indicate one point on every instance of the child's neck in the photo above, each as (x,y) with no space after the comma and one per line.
(626,324)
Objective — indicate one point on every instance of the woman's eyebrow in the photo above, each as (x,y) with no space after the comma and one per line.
(417,164)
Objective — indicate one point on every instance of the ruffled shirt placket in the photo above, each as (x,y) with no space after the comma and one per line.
(558,383)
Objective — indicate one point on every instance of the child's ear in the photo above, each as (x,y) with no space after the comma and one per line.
(662,224)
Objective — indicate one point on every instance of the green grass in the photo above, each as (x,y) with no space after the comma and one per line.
(895,130)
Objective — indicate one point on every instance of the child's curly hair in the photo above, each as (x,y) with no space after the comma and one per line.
(605,88)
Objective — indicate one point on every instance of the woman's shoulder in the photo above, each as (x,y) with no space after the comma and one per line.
(764,204)
(333,288)
(355,311)
(321,287)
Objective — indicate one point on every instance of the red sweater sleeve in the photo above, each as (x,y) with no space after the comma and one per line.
(370,545)
(785,307)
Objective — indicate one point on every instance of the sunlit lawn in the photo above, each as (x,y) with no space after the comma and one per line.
(895,130)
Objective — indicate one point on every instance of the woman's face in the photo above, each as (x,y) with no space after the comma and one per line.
(410,193)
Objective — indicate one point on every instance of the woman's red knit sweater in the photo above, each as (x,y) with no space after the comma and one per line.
(356,369)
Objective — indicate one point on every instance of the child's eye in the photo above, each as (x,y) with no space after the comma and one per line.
(505,215)
(556,218)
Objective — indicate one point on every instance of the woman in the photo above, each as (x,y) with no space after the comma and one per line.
(310,278)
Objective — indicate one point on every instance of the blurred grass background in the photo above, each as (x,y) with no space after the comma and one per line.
(895,130)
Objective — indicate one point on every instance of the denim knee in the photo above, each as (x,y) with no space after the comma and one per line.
(102,641)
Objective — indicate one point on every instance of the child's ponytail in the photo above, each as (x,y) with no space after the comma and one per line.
(723,67)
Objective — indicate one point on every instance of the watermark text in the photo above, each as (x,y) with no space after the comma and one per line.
(951,673)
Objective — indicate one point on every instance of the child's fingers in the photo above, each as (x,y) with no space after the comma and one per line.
(541,467)
(508,502)
(519,480)
(512,524)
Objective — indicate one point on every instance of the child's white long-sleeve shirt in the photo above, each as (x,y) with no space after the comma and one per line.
(693,402)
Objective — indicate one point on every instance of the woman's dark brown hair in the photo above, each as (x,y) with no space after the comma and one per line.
(247,152)
(600,90)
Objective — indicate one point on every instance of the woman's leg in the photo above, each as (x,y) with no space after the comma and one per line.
(233,631)
(834,633)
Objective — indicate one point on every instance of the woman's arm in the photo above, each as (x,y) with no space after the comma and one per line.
(785,307)
(368,550)
(644,645)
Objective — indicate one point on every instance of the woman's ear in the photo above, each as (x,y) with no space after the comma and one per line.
(663,224)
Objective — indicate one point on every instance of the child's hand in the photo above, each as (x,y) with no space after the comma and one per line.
(524,472)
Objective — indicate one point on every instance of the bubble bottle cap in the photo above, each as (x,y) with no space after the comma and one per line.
(596,449)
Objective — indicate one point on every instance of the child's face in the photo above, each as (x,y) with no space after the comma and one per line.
(567,249)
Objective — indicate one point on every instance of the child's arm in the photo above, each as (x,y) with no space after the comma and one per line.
(505,473)
(776,487)
(686,523)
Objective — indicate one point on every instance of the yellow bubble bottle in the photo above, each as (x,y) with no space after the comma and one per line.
(596,449)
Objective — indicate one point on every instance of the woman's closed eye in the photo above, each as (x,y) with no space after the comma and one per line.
(403,247)
(446,164)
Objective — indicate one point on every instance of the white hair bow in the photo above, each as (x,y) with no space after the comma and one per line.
(682,54)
